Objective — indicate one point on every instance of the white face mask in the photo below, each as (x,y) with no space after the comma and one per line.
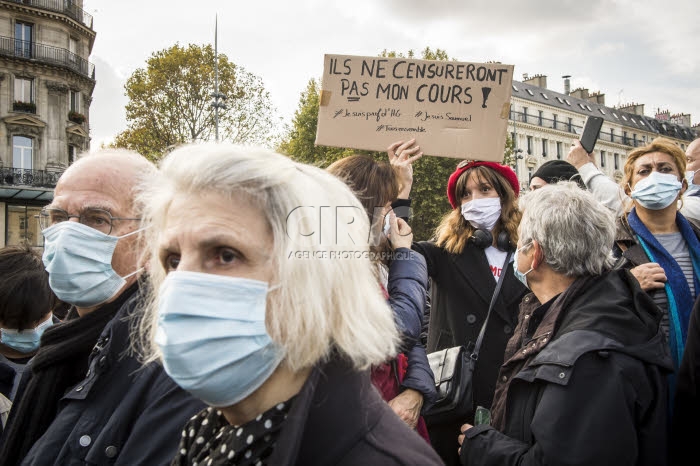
(482,213)
(387,225)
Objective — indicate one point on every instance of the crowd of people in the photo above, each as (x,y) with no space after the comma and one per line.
(209,311)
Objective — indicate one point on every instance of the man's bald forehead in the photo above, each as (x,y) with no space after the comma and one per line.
(115,172)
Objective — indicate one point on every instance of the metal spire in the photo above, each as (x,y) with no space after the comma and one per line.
(216,95)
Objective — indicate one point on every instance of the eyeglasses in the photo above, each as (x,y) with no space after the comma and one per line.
(99,219)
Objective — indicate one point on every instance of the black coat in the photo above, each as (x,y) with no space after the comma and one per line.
(461,290)
(339,418)
(686,411)
(595,394)
(121,413)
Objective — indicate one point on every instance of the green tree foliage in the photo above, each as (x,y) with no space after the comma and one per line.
(429,192)
(170,102)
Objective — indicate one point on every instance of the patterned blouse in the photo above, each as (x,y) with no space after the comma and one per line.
(209,440)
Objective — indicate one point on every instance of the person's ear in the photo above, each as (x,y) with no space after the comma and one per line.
(537,255)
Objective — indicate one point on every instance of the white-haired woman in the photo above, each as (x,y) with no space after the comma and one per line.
(269,313)
(584,378)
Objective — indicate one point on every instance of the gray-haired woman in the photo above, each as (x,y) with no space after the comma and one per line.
(267,315)
(584,378)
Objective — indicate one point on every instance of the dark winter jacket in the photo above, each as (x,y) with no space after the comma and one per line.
(339,418)
(121,413)
(590,386)
(461,289)
(408,281)
(686,412)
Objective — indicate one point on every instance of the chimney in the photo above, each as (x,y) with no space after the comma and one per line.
(681,119)
(580,93)
(664,115)
(597,98)
(635,109)
(538,80)
(567,84)
(525,77)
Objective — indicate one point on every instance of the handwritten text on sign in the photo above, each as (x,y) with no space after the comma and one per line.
(454,109)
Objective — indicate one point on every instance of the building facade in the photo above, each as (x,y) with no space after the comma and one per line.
(544,123)
(46,85)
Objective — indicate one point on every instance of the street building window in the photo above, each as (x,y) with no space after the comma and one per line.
(529,145)
(73,45)
(539,117)
(545,143)
(602,158)
(24,90)
(525,114)
(74,97)
(22,226)
(601,111)
(616,161)
(23,39)
(544,95)
(22,152)
(530,92)
(72,154)
(559,154)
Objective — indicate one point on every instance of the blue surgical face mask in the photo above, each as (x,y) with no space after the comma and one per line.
(212,335)
(25,341)
(657,191)
(79,262)
(692,187)
(518,274)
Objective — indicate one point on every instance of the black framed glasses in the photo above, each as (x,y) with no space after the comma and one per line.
(99,219)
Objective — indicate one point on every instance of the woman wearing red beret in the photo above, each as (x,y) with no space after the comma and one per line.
(464,265)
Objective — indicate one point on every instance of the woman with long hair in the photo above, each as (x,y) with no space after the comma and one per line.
(465,259)
(656,241)
(405,382)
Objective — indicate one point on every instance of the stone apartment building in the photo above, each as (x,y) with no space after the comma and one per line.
(46,85)
(543,124)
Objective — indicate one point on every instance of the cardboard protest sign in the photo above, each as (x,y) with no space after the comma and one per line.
(453,109)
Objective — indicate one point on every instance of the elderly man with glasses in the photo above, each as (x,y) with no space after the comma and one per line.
(87,399)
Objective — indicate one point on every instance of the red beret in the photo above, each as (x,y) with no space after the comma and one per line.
(465,165)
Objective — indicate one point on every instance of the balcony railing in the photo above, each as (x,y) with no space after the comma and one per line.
(24,177)
(66,7)
(572,128)
(46,54)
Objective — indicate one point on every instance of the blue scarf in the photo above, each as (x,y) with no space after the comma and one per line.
(680,300)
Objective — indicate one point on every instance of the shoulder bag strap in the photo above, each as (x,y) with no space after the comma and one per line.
(480,338)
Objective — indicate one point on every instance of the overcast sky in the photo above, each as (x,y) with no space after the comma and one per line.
(632,51)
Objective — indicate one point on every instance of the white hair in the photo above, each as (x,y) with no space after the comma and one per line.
(574,230)
(329,298)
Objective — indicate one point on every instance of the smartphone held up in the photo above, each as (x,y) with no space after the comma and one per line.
(590,133)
